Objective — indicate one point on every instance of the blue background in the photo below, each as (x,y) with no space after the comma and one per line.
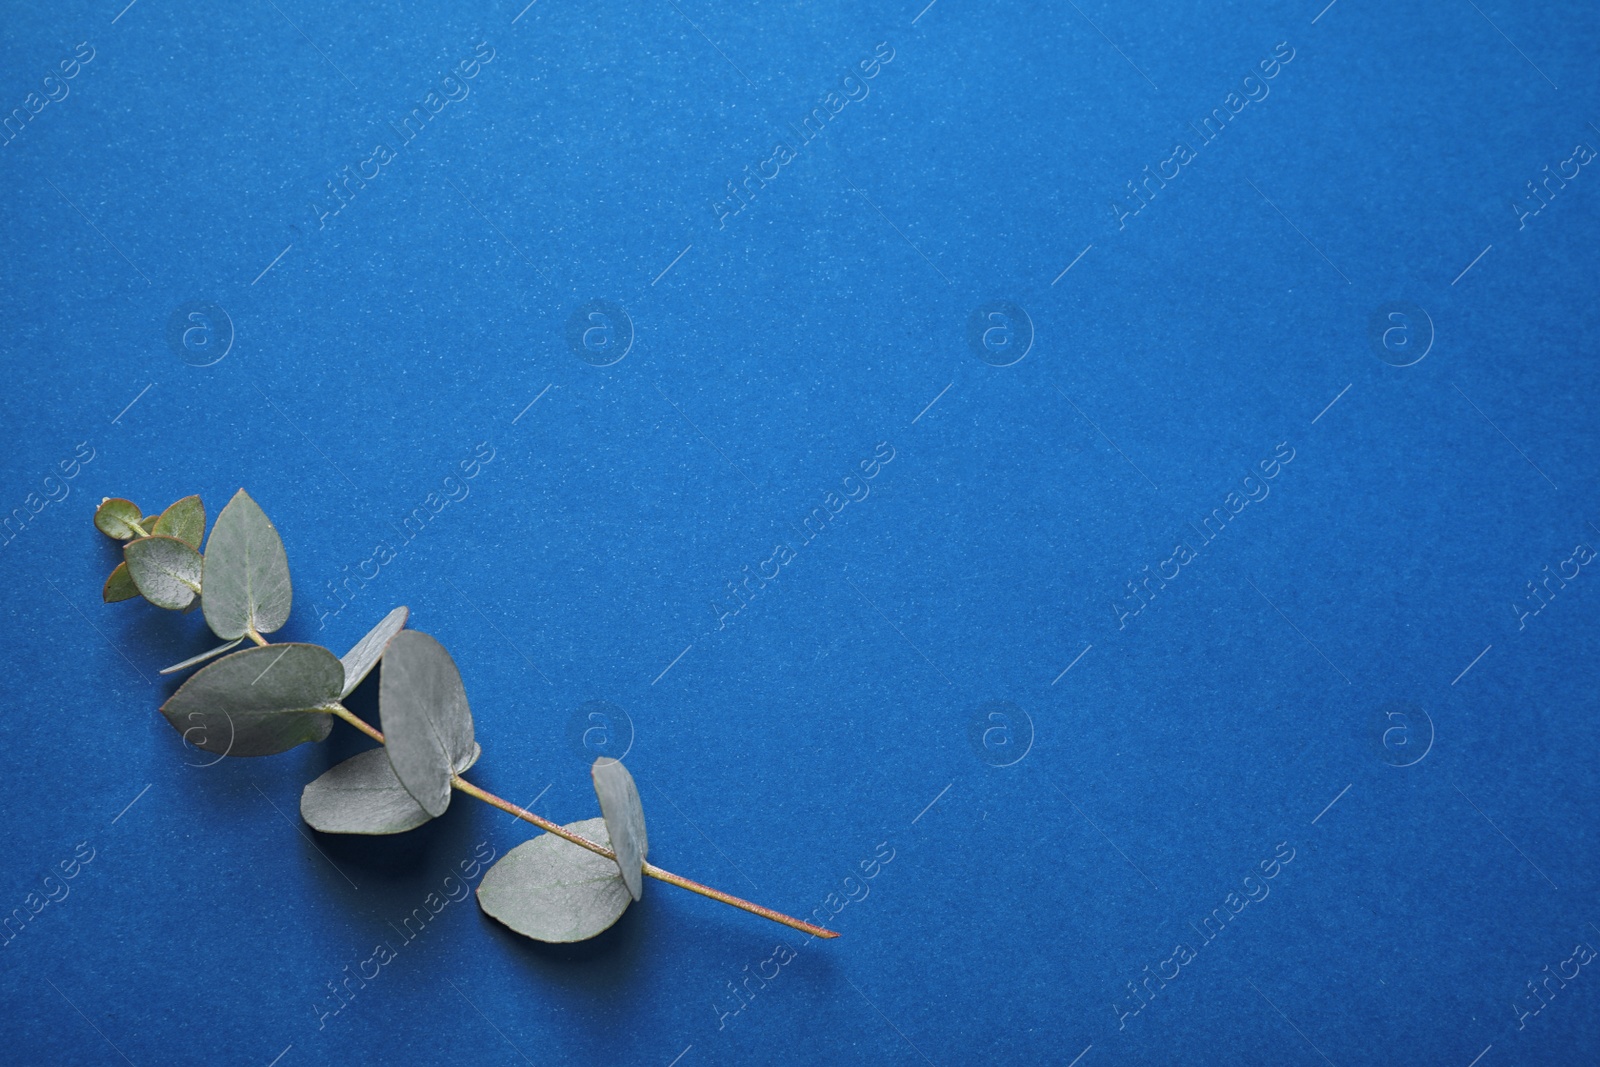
(1154,760)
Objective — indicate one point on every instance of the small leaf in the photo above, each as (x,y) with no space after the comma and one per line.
(427,725)
(201,658)
(120,585)
(185,520)
(258,701)
(552,890)
(624,815)
(362,796)
(114,516)
(360,660)
(166,570)
(246,572)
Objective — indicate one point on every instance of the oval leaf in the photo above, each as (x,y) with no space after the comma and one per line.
(246,572)
(258,701)
(427,725)
(114,517)
(185,520)
(624,817)
(552,890)
(120,585)
(362,796)
(360,660)
(166,570)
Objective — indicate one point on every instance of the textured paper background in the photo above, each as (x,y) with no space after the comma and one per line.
(761,344)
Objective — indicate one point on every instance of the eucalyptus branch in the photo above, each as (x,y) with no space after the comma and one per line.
(267,698)
(461,784)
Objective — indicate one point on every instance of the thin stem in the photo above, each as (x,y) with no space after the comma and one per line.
(252,635)
(357,721)
(464,786)
(136,527)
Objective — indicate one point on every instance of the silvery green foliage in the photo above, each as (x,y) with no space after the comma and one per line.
(164,574)
(202,657)
(115,518)
(246,572)
(120,585)
(427,725)
(624,816)
(360,660)
(185,520)
(165,569)
(552,890)
(362,796)
(267,699)
(258,701)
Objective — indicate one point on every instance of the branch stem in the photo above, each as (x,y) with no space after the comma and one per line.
(464,786)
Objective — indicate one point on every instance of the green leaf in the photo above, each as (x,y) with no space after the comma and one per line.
(246,573)
(201,658)
(552,890)
(427,725)
(362,796)
(624,816)
(166,570)
(259,700)
(360,660)
(185,520)
(114,517)
(119,586)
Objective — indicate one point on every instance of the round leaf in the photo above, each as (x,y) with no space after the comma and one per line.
(258,701)
(113,518)
(360,660)
(246,572)
(427,726)
(185,520)
(552,890)
(362,796)
(166,570)
(624,816)
(119,586)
